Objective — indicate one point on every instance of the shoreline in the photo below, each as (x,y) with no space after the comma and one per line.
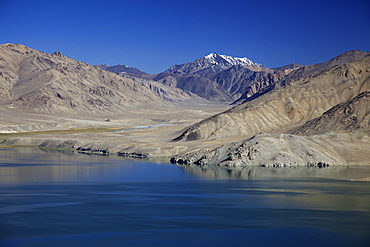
(353,173)
(265,150)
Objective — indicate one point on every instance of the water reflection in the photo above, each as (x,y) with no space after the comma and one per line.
(301,187)
(52,198)
(257,172)
(25,165)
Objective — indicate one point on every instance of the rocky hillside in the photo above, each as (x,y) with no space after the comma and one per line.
(228,79)
(166,92)
(351,115)
(288,106)
(196,84)
(315,69)
(344,139)
(294,72)
(220,78)
(244,83)
(34,81)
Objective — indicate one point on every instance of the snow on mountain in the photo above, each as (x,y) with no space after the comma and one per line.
(214,61)
(218,59)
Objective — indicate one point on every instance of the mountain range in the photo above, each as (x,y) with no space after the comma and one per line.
(226,79)
(316,115)
(53,82)
(40,82)
(297,98)
(217,78)
(304,114)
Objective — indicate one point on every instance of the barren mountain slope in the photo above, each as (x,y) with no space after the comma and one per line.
(227,79)
(223,78)
(223,85)
(194,83)
(40,82)
(350,115)
(243,83)
(293,72)
(315,69)
(344,139)
(288,106)
(207,76)
(166,92)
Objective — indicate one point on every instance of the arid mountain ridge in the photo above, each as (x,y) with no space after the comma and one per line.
(340,135)
(215,77)
(64,84)
(235,80)
(40,82)
(320,118)
(288,105)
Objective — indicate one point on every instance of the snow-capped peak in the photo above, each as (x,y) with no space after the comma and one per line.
(218,59)
(211,56)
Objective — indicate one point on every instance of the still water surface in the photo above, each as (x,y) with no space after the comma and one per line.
(51,198)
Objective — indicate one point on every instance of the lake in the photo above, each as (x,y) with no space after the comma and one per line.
(54,198)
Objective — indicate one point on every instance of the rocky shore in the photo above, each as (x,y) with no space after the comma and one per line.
(286,150)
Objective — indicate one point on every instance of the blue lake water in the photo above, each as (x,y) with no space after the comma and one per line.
(52,198)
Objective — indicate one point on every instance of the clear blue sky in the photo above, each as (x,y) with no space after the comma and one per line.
(153,35)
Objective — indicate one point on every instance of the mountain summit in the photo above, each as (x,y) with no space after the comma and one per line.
(213,61)
(228,61)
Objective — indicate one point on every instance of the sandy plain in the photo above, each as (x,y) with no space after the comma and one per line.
(148,133)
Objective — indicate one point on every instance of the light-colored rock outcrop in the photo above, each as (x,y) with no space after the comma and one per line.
(281,150)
